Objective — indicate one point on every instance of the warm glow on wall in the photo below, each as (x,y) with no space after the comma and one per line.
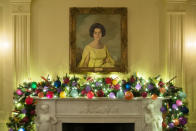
(190,50)
(191,44)
(144,75)
(4,44)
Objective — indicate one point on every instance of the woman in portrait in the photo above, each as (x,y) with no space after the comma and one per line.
(95,54)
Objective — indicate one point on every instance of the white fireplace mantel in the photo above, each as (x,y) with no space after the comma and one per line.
(144,113)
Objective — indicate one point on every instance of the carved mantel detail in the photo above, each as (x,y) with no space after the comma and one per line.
(144,113)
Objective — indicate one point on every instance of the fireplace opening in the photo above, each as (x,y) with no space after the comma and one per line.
(98,127)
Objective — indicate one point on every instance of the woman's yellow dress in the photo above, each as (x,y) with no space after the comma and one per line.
(96,57)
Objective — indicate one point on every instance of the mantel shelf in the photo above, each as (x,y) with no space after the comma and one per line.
(99,99)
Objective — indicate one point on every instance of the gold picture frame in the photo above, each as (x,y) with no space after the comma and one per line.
(115,23)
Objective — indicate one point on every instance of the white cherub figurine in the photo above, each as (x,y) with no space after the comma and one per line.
(44,119)
(152,118)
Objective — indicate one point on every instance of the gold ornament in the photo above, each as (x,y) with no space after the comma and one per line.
(62,94)
(154,96)
(114,82)
(176,122)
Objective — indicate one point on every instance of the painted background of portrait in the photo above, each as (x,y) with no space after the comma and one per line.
(112,39)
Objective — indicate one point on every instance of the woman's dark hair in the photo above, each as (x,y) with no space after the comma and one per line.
(97,25)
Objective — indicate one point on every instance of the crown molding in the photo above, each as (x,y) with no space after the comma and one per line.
(20,1)
(176,12)
(20,7)
(177,1)
(176,6)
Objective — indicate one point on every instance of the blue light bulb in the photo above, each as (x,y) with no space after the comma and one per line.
(21,129)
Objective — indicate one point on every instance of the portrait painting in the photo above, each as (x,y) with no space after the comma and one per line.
(98,40)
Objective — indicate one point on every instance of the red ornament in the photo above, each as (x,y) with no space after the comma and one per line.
(37,91)
(100,93)
(108,80)
(83,92)
(161,84)
(90,95)
(50,94)
(164,125)
(117,86)
(144,94)
(29,100)
(132,79)
(66,80)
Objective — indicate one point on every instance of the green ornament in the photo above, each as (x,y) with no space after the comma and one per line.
(120,94)
(182,95)
(34,85)
(74,93)
(19,106)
